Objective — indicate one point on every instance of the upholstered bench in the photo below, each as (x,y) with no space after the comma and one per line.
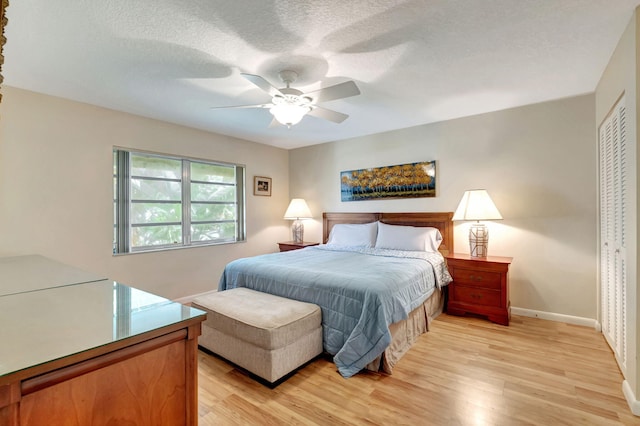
(268,335)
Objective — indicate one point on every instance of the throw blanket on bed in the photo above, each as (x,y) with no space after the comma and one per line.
(360,291)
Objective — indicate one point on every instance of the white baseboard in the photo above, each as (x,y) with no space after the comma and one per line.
(598,326)
(569,319)
(634,404)
(188,299)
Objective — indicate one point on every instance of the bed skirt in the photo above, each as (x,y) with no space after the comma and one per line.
(405,333)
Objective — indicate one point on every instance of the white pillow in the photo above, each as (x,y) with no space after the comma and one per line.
(354,234)
(413,238)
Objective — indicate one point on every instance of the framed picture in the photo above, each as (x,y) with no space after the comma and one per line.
(262,186)
(400,181)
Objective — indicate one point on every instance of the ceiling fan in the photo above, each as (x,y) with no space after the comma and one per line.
(288,106)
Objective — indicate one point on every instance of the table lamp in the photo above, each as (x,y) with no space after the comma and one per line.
(297,211)
(477,205)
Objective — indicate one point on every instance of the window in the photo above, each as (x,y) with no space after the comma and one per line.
(163,202)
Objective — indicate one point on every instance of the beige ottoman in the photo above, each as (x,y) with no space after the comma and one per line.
(268,335)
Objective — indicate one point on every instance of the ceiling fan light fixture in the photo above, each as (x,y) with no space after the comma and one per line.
(288,105)
(288,114)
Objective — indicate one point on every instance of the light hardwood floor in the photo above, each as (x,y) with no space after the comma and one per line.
(465,371)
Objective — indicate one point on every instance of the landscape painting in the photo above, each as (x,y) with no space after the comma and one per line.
(402,181)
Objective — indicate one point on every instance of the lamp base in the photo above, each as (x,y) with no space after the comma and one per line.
(478,240)
(297,228)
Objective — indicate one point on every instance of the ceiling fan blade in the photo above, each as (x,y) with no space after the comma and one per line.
(328,114)
(339,91)
(263,84)
(244,106)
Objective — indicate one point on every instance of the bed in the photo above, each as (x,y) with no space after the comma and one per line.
(376,298)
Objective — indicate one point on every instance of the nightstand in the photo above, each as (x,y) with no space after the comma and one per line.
(480,286)
(292,245)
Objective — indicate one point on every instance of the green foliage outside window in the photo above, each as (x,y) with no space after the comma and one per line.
(167,202)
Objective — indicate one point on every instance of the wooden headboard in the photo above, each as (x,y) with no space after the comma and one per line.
(441,220)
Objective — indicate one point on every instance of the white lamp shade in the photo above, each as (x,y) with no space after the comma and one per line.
(298,209)
(476,205)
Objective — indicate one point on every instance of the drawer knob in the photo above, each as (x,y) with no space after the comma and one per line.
(476,278)
(476,296)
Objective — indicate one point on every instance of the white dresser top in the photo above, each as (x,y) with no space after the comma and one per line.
(49,310)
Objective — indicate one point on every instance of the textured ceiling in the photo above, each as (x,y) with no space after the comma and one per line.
(415,61)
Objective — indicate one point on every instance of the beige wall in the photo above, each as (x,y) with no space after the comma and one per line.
(56,191)
(539,165)
(621,76)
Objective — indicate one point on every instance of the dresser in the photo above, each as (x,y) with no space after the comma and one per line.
(480,286)
(83,350)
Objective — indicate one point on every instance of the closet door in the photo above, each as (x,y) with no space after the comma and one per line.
(613,195)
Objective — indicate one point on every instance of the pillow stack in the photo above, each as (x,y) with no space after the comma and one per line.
(381,235)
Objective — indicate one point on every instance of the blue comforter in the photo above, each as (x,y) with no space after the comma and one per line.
(360,291)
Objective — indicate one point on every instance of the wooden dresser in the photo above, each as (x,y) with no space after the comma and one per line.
(81,350)
(480,286)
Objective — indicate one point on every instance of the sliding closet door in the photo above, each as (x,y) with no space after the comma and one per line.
(613,196)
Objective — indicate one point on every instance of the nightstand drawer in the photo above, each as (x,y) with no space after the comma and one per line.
(484,279)
(476,295)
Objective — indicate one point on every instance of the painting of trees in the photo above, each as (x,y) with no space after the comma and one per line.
(400,181)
